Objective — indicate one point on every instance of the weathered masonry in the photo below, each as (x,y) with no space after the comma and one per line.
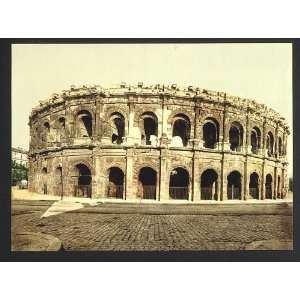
(157,142)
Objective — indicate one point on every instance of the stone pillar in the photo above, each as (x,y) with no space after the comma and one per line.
(219,192)
(221,134)
(246,180)
(283,143)
(68,180)
(197,129)
(276,142)
(264,138)
(263,184)
(275,184)
(164,125)
(69,125)
(245,190)
(94,178)
(223,188)
(196,179)
(99,184)
(102,175)
(225,142)
(164,180)
(130,189)
(130,124)
(99,108)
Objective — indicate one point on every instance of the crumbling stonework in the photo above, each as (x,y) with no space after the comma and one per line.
(157,142)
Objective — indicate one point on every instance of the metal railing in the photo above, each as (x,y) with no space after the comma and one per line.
(233,193)
(210,145)
(236,148)
(115,191)
(84,191)
(268,192)
(178,192)
(254,192)
(149,192)
(207,193)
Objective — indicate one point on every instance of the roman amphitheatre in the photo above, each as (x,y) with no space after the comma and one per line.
(157,143)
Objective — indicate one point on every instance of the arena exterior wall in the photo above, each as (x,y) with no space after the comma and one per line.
(157,142)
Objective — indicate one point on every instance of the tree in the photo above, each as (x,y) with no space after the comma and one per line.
(19,172)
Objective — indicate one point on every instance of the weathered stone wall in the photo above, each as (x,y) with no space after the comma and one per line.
(76,128)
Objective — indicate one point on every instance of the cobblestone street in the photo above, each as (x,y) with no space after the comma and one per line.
(82,230)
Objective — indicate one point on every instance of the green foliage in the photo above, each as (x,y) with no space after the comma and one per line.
(18,172)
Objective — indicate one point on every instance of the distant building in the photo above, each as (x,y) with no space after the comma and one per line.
(20,156)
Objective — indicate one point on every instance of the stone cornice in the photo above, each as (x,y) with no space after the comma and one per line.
(189,93)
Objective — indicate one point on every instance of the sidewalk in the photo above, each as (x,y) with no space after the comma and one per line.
(26,195)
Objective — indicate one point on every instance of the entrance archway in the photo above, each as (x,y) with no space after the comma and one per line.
(181,130)
(209,185)
(149,128)
(84,124)
(147,183)
(115,187)
(117,122)
(268,186)
(84,179)
(255,140)
(254,186)
(210,133)
(234,186)
(179,184)
(236,136)
(270,144)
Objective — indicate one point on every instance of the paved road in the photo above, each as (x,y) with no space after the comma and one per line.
(223,228)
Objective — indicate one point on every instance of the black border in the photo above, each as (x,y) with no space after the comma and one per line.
(5,155)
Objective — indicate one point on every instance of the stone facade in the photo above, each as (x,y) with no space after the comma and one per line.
(157,142)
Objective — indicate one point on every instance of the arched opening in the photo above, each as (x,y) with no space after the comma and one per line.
(236,137)
(270,143)
(181,131)
(278,188)
(179,184)
(84,179)
(116,183)
(255,140)
(150,128)
(210,133)
(117,122)
(280,152)
(44,181)
(209,185)
(268,186)
(84,124)
(62,123)
(147,183)
(46,131)
(61,129)
(58,181)
(47,126)
(234,186)
(254,186)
